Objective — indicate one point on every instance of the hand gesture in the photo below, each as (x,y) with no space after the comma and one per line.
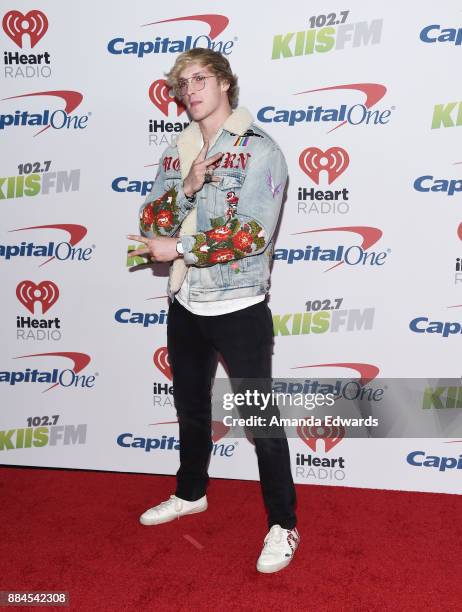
(201,172)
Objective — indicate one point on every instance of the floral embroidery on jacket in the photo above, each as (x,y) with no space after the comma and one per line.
(161,215)
(228,240)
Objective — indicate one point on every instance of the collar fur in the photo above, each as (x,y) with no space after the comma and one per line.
(189,141)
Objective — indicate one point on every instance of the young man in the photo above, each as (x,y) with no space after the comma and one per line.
(223,184)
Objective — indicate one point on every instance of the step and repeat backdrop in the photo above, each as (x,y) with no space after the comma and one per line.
(364,100)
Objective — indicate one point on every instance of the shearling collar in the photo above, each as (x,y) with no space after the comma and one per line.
(189,141)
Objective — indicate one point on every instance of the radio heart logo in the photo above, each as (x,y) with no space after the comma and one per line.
(458,266)
(333,161)
(34,296)
(44,293)
(162,362)
(162,132)
(320,439)
(162,391)
(16,25)
(323,167)
(24,29)
(326,436)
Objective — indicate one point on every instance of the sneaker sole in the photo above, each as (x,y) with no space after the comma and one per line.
(271,569)
(149,522)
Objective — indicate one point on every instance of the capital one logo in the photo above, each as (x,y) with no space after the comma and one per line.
(219,429)
(57,119)
(333,161)
(352,255)
(162,363)
(327,436)
(216,23)
(367,371)
(16,24)
(62,251)
(170,44)
(69,377)
(46,293)
(161,96)
(355,114)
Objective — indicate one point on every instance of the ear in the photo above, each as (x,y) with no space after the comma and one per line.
(224,86)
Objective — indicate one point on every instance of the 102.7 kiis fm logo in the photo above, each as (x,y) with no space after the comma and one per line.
(329,164)
(327,32)
(25,31)
(36,178)
(322,316)
(43,431)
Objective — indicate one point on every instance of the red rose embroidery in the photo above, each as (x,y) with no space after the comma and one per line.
(242,240)
(148,215)
(164,218)
(221,255)
(219,233)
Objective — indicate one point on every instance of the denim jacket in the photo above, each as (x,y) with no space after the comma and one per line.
(230,247)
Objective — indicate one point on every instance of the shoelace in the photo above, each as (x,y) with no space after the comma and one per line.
(274,538)
(169,502)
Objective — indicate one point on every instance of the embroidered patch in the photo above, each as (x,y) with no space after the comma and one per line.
(231,240)
(161,215)
(275,189)
(232,200)
(243,141)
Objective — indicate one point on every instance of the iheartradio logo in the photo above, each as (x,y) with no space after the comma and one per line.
(46,293)
(334,161)
(330,435)
(16,24)
(161,96)
(162,363)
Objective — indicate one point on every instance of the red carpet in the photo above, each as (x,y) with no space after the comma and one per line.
(360,549)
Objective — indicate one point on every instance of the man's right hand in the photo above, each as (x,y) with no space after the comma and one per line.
(196,177)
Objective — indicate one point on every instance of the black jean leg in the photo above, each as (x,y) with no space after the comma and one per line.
(193,362)
(245,340)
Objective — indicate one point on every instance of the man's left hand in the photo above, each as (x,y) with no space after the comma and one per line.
(161,248)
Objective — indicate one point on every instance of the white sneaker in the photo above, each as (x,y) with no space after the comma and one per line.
(171,509)
(278,549)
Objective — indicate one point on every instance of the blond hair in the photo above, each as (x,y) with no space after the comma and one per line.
(217,64)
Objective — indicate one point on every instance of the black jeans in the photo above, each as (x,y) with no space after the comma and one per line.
(244,339)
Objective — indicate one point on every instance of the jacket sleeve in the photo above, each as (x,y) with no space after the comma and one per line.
(250,230)
(164,209)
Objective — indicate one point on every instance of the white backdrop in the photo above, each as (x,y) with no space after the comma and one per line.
(73,190)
